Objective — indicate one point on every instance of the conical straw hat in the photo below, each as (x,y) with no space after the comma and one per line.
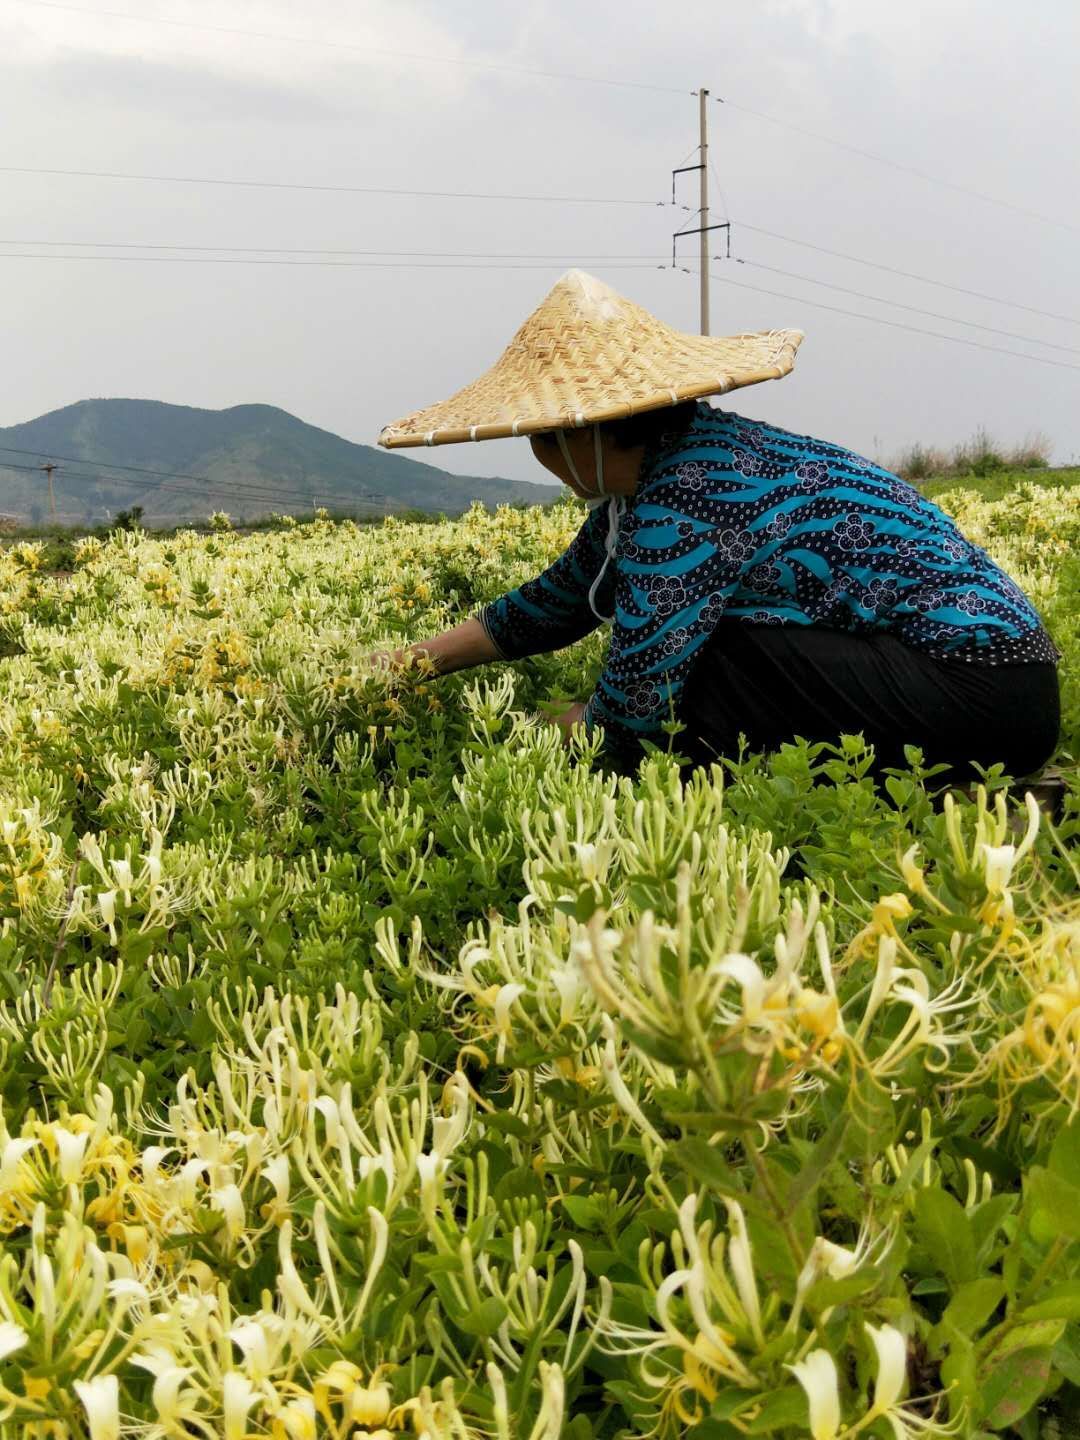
(585,355)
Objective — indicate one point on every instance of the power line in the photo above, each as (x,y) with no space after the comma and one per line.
(324,189)
(312,250)
(893,324)
(313,264)
(257,490)
(243,495)
(365,49)
(899,165)
(108,464)
(510,68)
(899,305)
(906,274)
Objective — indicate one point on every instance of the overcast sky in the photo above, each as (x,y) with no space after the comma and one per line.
(980,93)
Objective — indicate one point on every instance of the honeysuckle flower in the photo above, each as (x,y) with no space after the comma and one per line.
(624,1097)
(740,1258)
(998,861)
(296,1420)
(748,975)
(230,1202)
(505,998)
(913,873)
(107,905)
(100,1399)
(12,1337)
(151,1158)
(70,1150)
(369,1404)
(238,1395)
(11,1157)
(167,1397)
(124,878)
(818,1378)
(128,1291)
(891,1348)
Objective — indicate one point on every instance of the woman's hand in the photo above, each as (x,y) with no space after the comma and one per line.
(568,719)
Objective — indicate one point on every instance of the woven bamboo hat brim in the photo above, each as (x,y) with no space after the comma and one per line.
(585,355)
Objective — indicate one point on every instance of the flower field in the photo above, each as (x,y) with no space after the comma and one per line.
(373,1066)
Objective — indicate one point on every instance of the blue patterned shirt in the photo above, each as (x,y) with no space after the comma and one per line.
(737,518)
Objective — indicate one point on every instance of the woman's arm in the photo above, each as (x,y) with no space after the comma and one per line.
(552,610)
(461,648)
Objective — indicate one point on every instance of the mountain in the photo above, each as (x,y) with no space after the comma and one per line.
(180,463)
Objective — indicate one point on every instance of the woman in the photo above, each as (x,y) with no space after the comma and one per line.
(758,583)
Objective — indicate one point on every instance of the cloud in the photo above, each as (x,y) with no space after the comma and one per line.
(274,45)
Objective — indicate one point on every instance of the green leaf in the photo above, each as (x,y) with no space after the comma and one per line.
(986,1221)
(971,1306)
(1065,1153)
(708,1163)
(1013,1335)
(583,1210)
(1010,1390)
(821,1157)
(945,1230)
(780,1408)
(1060,1302)
(484,1319)
(958,1371)
(1067,1359)
(732,1402)
(914,1168)
(827,1294)
(1057,1199)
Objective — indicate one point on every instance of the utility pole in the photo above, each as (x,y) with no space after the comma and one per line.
(703,230)
(703,101)
(48,469)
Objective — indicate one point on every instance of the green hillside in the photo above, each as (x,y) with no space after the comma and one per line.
(180,462)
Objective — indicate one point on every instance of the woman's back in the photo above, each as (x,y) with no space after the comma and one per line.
(774,527)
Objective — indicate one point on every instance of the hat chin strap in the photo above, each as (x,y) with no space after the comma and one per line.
(615,505)
(598,451)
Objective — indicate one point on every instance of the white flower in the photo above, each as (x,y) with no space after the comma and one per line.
(817,1376)
(891,1350)
(70,1150)
(166,1396)
(825,1258)
(251,1338)
(298,1418)
(11,1158)
(277,1172)
(570,983)
(370,1404)
(741,1260)
(238,1397)
(132,1292)
(107,905)
(230,1203)
(12,1338)
(101,1400)
(748,976)
(122,871)
(503,1001)
(999,861)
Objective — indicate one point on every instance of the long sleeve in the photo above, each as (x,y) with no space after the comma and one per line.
(677,572)
(553,610)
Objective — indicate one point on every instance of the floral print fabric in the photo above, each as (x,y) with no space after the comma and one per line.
(738,518)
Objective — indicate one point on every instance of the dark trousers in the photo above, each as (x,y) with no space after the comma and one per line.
(772,683)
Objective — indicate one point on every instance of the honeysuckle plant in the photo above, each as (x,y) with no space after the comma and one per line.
(374,1065)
